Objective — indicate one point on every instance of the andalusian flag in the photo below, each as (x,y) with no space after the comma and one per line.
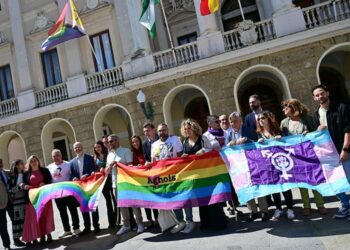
(209,6)
(148,16)
(67,27)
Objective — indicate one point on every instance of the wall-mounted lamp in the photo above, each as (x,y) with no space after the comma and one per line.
(145,106)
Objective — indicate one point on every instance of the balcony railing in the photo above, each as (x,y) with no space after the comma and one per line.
(8,107)
(327,12)
(51,95)
(264,30)
(180,55)
(109,78)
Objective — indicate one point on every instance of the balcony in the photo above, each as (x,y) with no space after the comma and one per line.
(264,32)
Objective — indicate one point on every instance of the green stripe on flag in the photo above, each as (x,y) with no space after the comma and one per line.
(147,18)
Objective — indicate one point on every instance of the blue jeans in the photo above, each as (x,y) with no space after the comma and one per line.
(344,199)
(180,216)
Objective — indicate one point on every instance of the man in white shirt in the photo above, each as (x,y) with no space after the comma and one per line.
(60,171)
(123,155)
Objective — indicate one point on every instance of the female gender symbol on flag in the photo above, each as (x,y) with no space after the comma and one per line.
(281,161)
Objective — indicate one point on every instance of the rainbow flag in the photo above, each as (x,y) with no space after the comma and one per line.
(175,183)
(87,193)
(208,7)
(301,161)
(67,27)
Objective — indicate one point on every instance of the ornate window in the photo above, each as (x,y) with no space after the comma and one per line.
(51,67)
(6,85)
(103,50)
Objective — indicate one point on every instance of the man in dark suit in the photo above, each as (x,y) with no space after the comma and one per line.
(240,133)
(4,206)
(255,106)
(82,166)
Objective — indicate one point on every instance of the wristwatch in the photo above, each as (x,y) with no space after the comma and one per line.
(346,149)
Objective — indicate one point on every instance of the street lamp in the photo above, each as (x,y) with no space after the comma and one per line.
(145,106)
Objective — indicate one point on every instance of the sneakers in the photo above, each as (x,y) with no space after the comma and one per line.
(265,216)
(123,230)
(290,214)
(306,211)
(189,227)
(178,227)
(252,217)
(277,214)
(342,213)
(322,210)
(65,234)
(76,232)
(140,228)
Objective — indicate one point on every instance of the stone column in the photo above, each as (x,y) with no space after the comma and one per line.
(210,41)
(286,18)
(26,100)
(135,40)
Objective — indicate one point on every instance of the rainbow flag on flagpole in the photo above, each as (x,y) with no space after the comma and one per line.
(87,193)
(175,183)
(68,26)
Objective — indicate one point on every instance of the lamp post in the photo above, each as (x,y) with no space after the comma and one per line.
(146,107)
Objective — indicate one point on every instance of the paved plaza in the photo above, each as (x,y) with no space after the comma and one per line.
(314,232)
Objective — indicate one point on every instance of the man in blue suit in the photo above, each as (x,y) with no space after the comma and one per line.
(255,106)
(240,133)
(82,166)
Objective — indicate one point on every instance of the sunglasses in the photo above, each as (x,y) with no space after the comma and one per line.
(261,118)
(110,141)
(217,121)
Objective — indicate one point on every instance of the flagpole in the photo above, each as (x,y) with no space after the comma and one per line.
(240,7)
(98,61)
(168,30)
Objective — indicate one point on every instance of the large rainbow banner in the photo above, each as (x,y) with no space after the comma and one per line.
(175,183)
(301,161)
(86,192)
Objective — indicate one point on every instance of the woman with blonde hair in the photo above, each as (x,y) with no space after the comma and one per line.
(298,121)
(36,176)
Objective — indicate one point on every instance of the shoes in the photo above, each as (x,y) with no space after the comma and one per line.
(140,228)
(290,214)
(112,226)
(322,210)
(277,214)
(306,212)
(49,238)
(76,232)
(42,240)
(85,232)
(97,230)
(123,230)
(189,227)
(18,243)
(7,248)
(342,213)
(265,216)
(252,217)
(178,227)
(65,234)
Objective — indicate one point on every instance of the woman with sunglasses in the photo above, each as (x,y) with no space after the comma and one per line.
(298,121)
(268,128)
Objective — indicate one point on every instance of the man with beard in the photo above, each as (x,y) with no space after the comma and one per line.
(336,118)
(255,106)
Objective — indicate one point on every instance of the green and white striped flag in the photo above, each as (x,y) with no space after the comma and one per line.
(148,16)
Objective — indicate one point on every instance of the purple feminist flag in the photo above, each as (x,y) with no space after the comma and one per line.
(279,164)
(310,161)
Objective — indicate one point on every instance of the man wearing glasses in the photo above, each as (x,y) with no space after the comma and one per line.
(123,155)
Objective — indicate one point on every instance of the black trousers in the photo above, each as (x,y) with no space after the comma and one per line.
(149,214)
(111,202)
(288,197)
(87,220)
(3,226)
(70,203)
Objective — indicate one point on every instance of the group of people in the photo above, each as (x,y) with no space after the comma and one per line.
(223,130)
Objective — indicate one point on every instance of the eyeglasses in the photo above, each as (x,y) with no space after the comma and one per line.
(285,106)
(110,141)
(217,121)
(261,118)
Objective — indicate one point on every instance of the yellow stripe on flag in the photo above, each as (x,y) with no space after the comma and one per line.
(214,5)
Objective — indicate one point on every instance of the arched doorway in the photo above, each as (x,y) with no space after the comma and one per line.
(59,134)
(266,81)
(186,101)
(12,147)
(113,119)
(333,71)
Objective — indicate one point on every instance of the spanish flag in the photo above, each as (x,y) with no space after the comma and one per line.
(208,7)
